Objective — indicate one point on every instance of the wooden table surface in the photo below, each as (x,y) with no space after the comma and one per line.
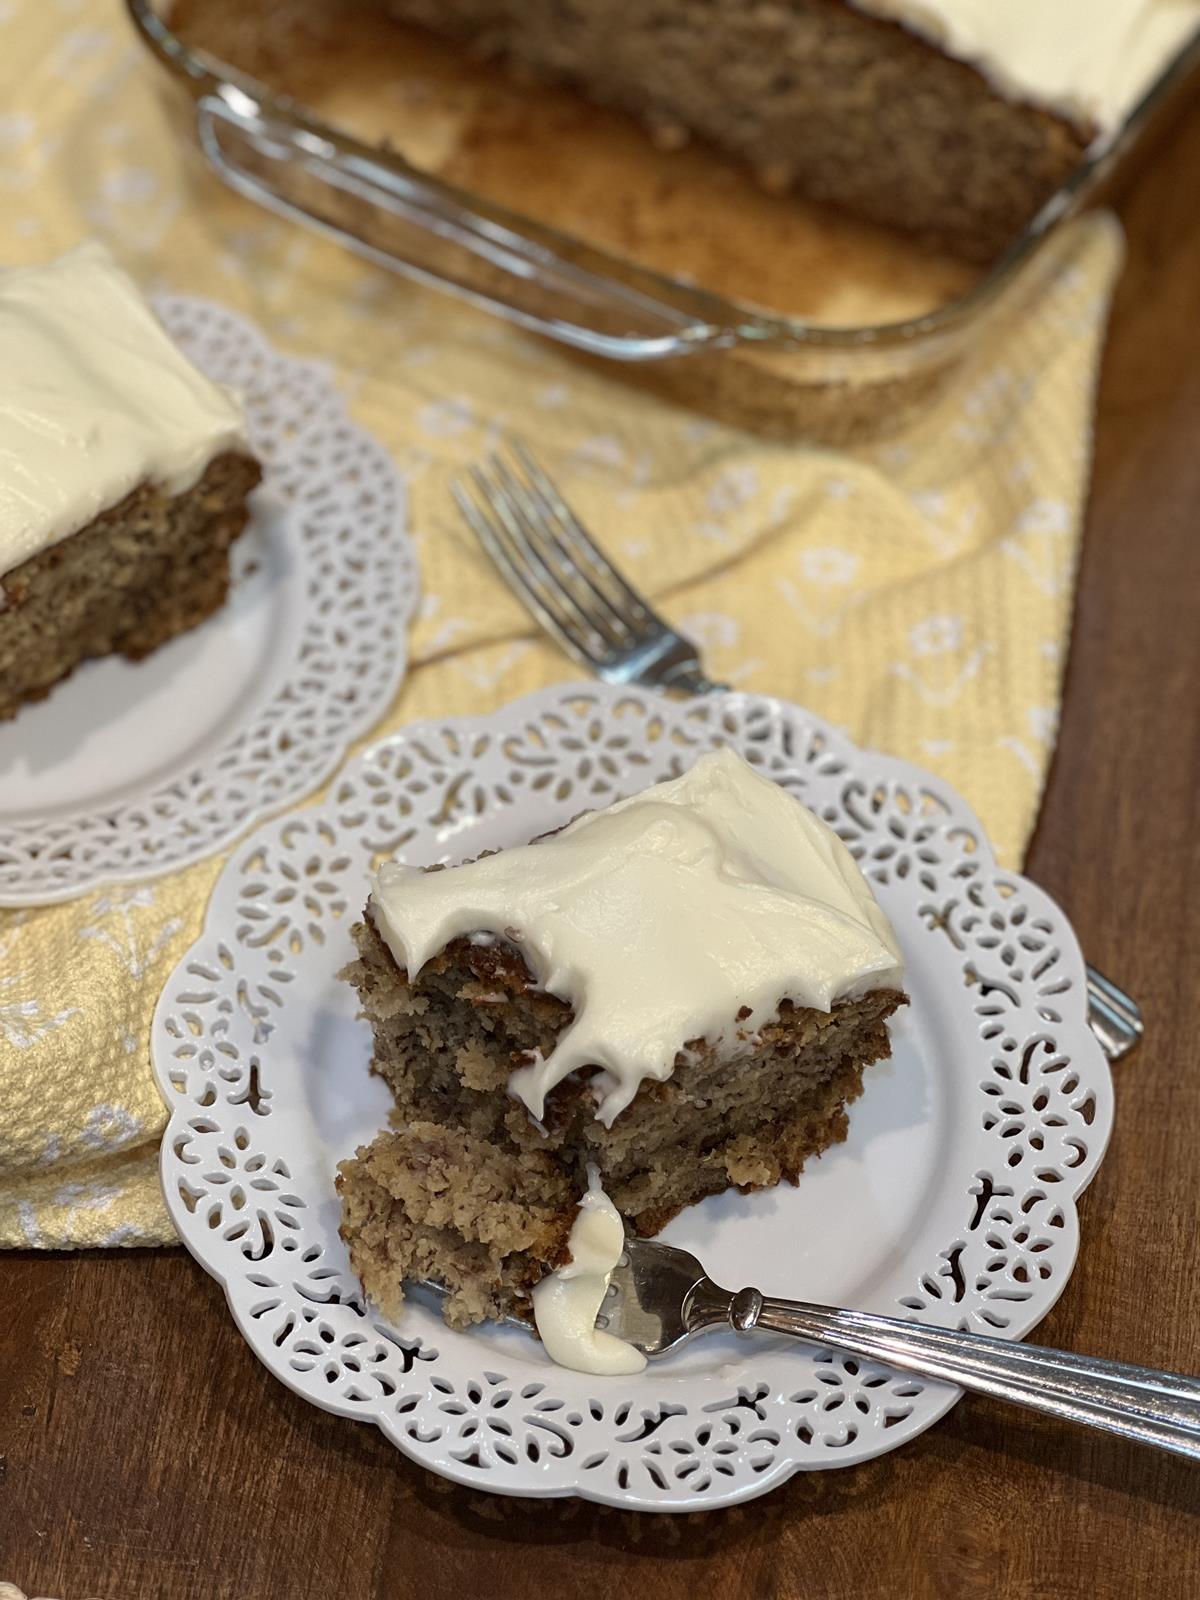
(143,1452)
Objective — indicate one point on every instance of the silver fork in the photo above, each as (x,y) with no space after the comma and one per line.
(552,564)
(659,1296)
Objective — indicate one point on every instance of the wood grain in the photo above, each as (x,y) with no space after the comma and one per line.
(144,1453)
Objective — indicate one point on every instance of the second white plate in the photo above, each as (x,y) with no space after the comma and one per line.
(129,769)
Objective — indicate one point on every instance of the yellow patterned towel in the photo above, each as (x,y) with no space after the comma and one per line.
(917,593)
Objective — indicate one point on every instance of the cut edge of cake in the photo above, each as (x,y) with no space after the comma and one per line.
(135,577)
(132,476)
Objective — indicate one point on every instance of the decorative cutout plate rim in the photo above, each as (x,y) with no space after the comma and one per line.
(356,586)
(247,1023)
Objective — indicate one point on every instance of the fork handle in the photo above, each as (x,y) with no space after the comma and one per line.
(688,680)
(1158,1408)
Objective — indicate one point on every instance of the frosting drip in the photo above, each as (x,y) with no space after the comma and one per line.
(94,400)
(567,1301)
(687,912)
(1087,60)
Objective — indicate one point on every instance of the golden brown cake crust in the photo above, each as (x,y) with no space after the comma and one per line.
(149,568)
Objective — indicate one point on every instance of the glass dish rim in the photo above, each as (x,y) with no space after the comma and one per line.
(751,326)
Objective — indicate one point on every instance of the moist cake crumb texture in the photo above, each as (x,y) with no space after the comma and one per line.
(150,568)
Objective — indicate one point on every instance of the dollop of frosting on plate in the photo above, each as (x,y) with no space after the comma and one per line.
(94,400)
(684,913)
(567,1301)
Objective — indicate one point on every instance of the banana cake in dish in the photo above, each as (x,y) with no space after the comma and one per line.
(663,1000)
(951,119)
(124,476)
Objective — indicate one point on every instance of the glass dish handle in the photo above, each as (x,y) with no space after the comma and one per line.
(376,203)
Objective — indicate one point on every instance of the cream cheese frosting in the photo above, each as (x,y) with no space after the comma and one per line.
(1087,60)
(567,1301)
(94,400)
(686,912)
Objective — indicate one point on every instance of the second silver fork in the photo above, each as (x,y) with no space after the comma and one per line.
(556,569)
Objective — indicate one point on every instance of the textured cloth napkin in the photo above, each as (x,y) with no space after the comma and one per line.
(917,593)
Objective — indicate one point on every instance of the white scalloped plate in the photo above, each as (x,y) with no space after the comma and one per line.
(131,769)
(953,1199)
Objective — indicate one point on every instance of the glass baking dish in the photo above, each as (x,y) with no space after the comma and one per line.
(818,373)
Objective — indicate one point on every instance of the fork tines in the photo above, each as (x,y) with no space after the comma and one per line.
(548,558)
